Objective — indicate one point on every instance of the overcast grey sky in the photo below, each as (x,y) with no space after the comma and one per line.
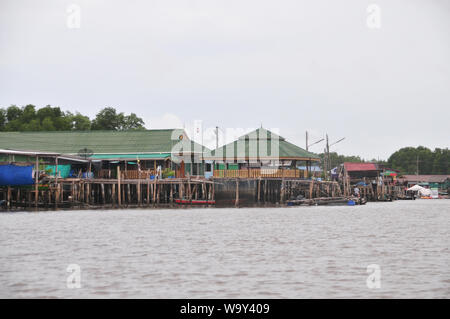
(287,64)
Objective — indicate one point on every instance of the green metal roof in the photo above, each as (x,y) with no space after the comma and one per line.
(101,142)
(257,138)
(131,156)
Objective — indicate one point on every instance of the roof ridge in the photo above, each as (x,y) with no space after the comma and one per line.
(93,131)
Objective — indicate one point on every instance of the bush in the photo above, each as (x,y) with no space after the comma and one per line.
(167,173)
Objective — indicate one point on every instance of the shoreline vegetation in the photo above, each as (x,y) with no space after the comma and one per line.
(407,160)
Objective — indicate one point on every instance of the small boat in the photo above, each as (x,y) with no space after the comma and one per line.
(332,201)
(195,201)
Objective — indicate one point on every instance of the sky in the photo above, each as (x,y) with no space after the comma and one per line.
(376,73)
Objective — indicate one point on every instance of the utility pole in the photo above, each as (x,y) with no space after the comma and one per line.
(307,141)
(327,154)
(328,159)
(217,137)
(417,168)
(308,145)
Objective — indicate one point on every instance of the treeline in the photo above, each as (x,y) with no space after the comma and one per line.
(336,159)
(28,118)
(407,160)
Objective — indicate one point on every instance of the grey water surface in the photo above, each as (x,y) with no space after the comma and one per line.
(286,252)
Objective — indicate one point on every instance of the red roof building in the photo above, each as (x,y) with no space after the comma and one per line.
(359,167)
(360,171)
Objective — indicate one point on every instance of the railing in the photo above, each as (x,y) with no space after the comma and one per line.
(135,174)
(131,174)
(260,172)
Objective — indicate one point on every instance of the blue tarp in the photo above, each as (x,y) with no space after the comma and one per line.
(12,175)
(87,175)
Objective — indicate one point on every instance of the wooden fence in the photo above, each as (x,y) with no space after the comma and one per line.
(131,174)
(260,172)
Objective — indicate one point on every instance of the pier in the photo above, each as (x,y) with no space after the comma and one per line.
(106,193)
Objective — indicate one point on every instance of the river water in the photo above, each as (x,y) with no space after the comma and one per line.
(286,252)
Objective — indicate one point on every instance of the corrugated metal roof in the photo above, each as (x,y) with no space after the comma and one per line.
(99,142)
(425,178)
(131,156)
(248,146)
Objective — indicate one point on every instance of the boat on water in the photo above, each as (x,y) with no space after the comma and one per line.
(195,201)
(332,201)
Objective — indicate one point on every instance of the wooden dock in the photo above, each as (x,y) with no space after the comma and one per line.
(108,193)
(79,193)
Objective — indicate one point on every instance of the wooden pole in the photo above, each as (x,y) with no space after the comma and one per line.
(154,190)
(139,192)
(148,192)
(113,194)
(119,196)
(259,189)
(89,184)
(8,198)
(56,169)
(236,203)
(36,182)
(128,193)
(189,195)
(103,193)
(158,192)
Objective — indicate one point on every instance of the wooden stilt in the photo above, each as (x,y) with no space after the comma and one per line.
(236,203)
(138,190)
(119,195)
(103,193)
(36,182)
(148,192)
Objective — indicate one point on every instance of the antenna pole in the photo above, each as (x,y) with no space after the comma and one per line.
(307,141)
(217,137)
(328,158)
(417,168)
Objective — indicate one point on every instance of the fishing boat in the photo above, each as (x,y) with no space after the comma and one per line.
(335,201)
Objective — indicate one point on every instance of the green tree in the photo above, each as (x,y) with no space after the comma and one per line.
(28,113)
(79,122)
(51,118)
(48,111)
(132,122)
(13,113)
(2,119)
(409,159)
(337,159)
(33,125)
(47,124)
(107,119)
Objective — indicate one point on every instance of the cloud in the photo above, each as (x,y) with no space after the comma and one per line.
(166,121)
